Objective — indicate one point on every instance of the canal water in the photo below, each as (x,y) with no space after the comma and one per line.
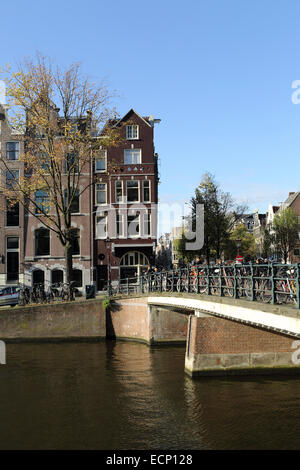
(125,395)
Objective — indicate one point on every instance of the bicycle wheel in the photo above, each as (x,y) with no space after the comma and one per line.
(265,287)
(202,288)
(247,288)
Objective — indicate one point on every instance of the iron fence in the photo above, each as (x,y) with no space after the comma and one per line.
(268,283)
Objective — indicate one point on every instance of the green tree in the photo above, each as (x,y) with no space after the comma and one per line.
(286,236)
(247,241)
(268,243)
(220,214)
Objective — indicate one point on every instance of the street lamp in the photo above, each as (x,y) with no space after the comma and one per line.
(238,243)
(108,247)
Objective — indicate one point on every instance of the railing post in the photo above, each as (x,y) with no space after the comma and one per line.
(297,285)
(197,279)
(235,295)
(208,280)
(252,283)
(188,279)
(127,285)
(142,283)
(273,285)
(160,281)
(172,280)
(220,281)
(109,289)
(179,279)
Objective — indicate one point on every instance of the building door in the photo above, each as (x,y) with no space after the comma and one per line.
(38,277)
(101,277)
(12,259)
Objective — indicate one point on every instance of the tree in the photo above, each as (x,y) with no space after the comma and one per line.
(220,214)
(247,247)
(179,246)
(60,112)
(268,242)
(285,225)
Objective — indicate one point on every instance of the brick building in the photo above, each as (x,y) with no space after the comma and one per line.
(114,220)
(125,202)
(11,215)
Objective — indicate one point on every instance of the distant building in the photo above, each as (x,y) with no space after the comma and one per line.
(176,233)
(259,226)
(164,251)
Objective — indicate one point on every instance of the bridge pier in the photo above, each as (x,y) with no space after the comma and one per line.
(134,319)
(220,346)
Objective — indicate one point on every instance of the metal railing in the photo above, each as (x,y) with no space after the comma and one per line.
(39,293)
(268,283)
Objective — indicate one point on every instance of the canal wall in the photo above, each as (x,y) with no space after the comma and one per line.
(136,320)
(220,346)
(68,320)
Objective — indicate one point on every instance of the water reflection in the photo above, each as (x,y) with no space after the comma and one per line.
(121,395)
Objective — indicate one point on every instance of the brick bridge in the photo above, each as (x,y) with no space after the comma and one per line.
(222,335)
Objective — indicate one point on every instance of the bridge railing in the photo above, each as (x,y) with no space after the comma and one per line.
(268,283)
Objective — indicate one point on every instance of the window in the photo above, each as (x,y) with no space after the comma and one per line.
(120,226)
(100,162)
(42,242)
(42,202)
(12,214)
(101,193)
(132,156)
(132,191)
(147,225)
(12,177)
(71,163)
(45,162)
(132,132)
(133,225)
(297,252)
(57,276)
(146,191)
(101,227)
(12,258)
(77,277)
(12,150)
(75,201)
(75,241)
(119,191)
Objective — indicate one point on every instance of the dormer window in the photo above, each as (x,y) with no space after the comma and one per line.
(132,132)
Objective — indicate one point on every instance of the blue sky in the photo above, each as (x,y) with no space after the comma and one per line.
(218,73)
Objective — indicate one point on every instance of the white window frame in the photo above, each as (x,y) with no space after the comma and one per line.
(129,132)
(96,191)
(137,216)
(18,151)
(132,151)
(104,236)
(144,234)
(148,181)
(122,234)
(133,202)
(102,152)
(122,186)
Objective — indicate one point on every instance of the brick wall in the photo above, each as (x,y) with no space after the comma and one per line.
(55,321)
(221,336)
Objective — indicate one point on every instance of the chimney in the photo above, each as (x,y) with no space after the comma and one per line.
(291,193)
